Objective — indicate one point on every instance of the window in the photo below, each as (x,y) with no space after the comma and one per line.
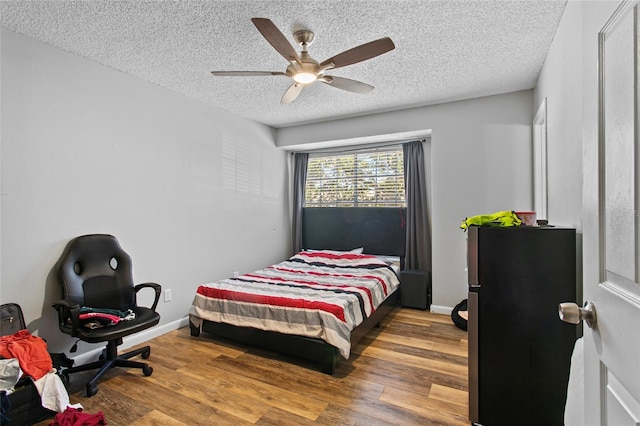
(362,179)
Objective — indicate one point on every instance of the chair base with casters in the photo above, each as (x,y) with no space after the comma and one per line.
(96,277)
(107,361)
(112,335)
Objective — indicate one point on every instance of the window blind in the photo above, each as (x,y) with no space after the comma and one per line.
(360,179)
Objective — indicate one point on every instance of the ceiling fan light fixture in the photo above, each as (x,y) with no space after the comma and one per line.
(304,77)
(303,69)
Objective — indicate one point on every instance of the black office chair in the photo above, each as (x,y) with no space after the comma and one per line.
(96,273)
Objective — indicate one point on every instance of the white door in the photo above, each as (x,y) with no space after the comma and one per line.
(611,228)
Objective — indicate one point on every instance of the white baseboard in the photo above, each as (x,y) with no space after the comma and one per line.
(150,333)
(445,310)
(133,340)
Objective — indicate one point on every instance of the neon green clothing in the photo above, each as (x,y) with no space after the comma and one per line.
(505,218)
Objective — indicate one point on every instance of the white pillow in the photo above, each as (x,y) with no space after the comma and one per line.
(358,250)
(389,260)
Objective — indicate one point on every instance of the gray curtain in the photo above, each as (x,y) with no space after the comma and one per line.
(299,179)
(418,251)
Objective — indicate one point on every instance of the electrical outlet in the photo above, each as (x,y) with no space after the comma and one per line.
(167,295)
(235,274)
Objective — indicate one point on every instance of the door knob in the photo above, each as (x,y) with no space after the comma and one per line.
(572,313)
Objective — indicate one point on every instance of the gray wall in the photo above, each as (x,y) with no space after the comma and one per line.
(480,163)
(192,192)
(560,81)
(568,81)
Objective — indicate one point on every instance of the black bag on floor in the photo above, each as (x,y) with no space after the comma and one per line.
(459,321)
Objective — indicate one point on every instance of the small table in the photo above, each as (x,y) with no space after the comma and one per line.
(415,288)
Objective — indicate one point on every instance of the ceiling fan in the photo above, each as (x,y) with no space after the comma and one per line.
(303,69)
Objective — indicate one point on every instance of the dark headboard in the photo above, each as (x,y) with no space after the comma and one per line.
(380,230)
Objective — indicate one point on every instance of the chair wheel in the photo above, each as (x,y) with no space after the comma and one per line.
(91,390)
(146,354)
(146,370)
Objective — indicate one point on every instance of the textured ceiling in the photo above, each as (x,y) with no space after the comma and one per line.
(445,50)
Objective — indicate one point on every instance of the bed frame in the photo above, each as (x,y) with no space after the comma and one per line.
(378,230)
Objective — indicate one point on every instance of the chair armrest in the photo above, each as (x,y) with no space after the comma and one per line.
(156,287)
(68,312)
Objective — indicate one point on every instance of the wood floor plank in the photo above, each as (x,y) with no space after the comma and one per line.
(111,400)
(179,406)
(418,317)
(279,417)
(416,361)
(156,418)
(410,371)
(404,348)
(352,416)
(460,350)
(411,316)
(257,392)
(380,412)
(390,374)
(213,392)
(425,406)
(177,340)
(313,384)
(450,395)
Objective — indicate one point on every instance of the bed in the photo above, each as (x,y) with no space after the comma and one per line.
(319,303)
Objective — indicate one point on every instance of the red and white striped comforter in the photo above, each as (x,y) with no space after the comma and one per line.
(315,294)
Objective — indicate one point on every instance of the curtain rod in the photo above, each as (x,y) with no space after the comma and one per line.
(356,148)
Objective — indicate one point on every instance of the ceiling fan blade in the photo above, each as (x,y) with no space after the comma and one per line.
(292,93)
(347,84)
(361,53)
(275,37)
(245,73)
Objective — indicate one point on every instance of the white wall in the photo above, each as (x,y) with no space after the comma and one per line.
(481,159)
(560,81)
(568,81)
(86,149)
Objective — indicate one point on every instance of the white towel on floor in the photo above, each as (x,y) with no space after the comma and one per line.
(53,393)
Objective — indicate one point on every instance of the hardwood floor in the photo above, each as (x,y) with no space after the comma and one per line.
(410,371)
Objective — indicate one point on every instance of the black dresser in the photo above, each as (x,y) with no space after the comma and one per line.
(519,350)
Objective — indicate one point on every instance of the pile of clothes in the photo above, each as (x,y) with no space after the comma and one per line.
(75,417)
(503,218)
(25,355)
